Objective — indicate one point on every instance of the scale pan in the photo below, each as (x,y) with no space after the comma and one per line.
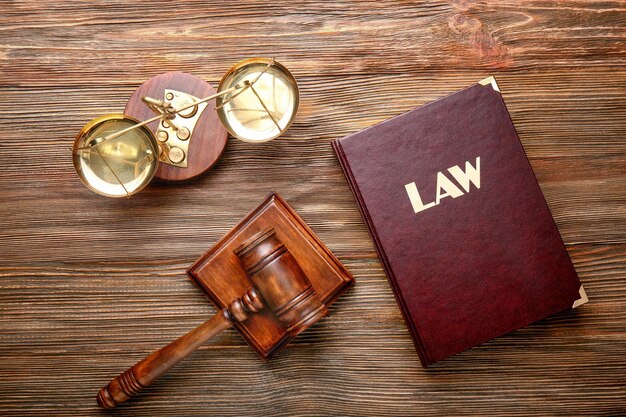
(263,111)
(119,167)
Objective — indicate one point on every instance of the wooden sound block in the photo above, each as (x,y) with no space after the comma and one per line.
(221,276)
(209,136)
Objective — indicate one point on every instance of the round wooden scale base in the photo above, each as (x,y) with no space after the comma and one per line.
(208,138)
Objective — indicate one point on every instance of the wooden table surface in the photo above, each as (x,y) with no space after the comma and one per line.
(89,285)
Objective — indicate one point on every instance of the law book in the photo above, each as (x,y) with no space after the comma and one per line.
(459,222)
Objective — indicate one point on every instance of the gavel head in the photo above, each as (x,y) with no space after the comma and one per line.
(281,281)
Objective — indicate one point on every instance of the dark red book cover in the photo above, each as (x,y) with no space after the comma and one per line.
(459,221)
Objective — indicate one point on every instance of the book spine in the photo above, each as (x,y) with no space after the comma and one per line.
(343,161)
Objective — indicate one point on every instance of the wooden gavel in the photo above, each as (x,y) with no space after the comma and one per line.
(279,282)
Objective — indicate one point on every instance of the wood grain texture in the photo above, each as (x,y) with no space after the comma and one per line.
(89,285)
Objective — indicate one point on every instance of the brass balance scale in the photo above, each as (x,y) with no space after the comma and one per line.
(117,155)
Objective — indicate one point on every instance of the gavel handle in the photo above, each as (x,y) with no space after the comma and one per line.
(146,371)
